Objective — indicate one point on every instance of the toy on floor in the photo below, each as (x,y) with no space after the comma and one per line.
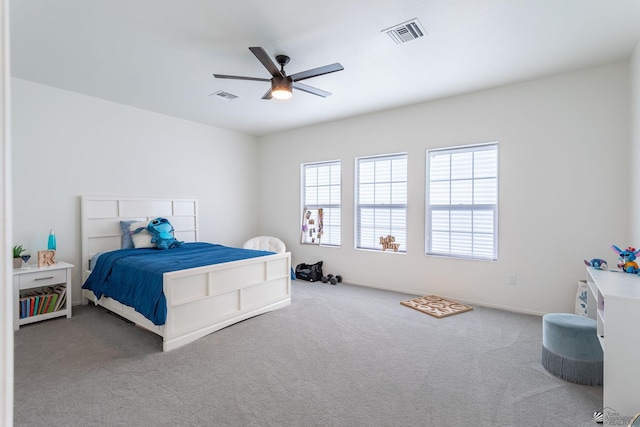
(161,232)
(330,278)
(627,259)
(597,263)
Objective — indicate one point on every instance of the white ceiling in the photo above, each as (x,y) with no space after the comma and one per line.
(160,55)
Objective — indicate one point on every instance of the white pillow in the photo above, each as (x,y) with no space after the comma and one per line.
(142,239)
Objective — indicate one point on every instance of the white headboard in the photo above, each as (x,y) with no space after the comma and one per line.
(101,216)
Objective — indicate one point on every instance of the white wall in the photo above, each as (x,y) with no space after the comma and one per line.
(564,145)
(635,145)
(563,187)
(66,145)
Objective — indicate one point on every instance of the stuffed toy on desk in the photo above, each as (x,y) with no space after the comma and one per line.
(627,259)
(161,232)
(597,263)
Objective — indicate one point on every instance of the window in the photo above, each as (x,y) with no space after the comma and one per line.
(321,203)
(381,202)
(462,202)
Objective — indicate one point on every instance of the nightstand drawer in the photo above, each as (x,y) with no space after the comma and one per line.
(43,278)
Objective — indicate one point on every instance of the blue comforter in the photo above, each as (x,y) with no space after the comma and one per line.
(134,276)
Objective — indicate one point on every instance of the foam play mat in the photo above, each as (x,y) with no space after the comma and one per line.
(436,306)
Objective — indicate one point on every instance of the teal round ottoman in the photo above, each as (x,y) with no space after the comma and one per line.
(570,348)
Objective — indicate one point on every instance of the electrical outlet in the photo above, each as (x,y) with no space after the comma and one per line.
(512,279)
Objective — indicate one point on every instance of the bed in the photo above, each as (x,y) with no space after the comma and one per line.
(199,300)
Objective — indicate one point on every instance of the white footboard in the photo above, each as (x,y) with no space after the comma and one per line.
(205,299)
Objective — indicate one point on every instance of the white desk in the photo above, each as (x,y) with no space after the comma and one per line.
(613,300)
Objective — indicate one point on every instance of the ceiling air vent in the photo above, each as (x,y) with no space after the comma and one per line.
(406,31)
(224,95)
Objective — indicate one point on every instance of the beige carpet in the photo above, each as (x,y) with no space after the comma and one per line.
(436,306)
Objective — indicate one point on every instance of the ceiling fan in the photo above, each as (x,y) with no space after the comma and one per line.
(281,84)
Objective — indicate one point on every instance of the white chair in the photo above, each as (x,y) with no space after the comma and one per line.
(266,243)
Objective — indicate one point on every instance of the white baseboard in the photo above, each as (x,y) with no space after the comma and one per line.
(461,300)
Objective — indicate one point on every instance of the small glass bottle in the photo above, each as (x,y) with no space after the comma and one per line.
(51,244)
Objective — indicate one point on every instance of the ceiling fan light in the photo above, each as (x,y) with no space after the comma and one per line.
(281,88)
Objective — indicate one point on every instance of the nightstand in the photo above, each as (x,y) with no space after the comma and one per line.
(41,293)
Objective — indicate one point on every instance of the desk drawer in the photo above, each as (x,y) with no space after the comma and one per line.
(43,278)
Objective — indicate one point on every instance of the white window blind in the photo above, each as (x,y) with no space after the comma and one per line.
(381,201)
(321,188)
(462,202)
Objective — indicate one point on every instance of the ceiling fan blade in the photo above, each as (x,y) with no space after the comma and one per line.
(266,61)
(311,89)
(332,68)
(267,95)
(224,76)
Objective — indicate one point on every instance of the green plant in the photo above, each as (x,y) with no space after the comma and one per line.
(18,250)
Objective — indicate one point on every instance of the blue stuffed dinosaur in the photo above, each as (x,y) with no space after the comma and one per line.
(161,232)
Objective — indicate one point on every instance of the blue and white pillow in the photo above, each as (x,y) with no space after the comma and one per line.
(141,239)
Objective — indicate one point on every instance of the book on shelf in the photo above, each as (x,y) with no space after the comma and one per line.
(45,304)
(37,303)
(23,307)
(62,296)
(52,304)
(42,301)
